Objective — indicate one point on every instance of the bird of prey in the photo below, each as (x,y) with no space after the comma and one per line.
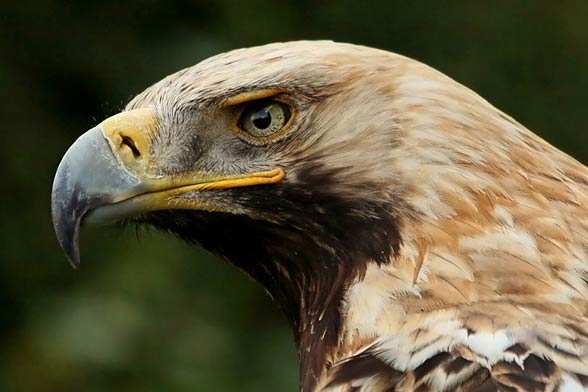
(416,237)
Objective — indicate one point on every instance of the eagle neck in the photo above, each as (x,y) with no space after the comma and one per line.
(309,279)
(315,317)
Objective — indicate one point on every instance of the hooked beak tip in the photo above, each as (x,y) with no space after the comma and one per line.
(66,222)
(86,178)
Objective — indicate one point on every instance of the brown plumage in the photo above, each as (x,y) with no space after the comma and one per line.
(417,238)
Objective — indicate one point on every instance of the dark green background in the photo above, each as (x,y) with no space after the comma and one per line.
(149,313)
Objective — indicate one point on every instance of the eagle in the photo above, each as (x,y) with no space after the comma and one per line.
(415,237)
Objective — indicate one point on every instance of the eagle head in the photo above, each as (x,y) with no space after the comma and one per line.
(317,168)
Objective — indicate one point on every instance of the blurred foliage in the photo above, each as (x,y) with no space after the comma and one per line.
(149,313)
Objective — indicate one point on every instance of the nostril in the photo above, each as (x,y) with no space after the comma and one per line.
(127,141)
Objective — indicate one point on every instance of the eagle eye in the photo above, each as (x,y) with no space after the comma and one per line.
(262,119)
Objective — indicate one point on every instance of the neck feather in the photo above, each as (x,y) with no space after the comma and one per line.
(305,253)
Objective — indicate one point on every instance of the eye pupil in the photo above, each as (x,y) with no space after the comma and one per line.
(262,118)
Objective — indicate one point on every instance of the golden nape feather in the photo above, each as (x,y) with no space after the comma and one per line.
(417,238)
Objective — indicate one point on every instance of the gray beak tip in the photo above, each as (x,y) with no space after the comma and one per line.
(66,222)
(89,176)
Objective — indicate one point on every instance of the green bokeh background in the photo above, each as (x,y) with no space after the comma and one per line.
(148,313)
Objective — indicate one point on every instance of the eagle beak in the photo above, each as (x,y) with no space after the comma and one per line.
(104,177)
